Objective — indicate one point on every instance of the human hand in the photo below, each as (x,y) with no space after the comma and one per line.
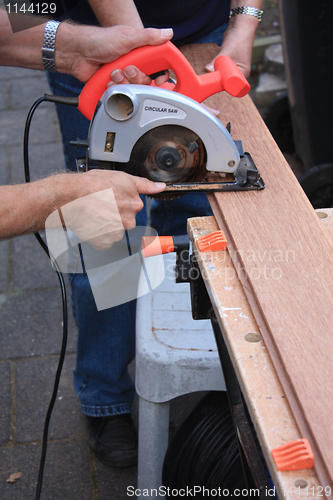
(107,204)
(238,42)
(132,74)
(81,50)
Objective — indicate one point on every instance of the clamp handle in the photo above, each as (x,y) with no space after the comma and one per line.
(151,59)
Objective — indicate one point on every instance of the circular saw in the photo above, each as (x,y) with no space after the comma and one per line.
(164,133)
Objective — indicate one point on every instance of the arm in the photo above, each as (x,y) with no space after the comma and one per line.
(80,50)
(113,12)
(239,37)
(237,44)
(5,27)
(24,208)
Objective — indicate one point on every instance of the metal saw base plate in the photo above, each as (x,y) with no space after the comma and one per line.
(246,178)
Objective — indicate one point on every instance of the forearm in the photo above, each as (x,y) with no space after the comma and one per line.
(246,3)
(25,207)
(79,50)
(22,48)
(113,12)
(246,21)
(5,27)
(239,37)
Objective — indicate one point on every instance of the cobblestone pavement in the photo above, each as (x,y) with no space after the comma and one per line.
(31,332)
(31,324)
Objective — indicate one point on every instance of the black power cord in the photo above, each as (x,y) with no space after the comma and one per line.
(71,102)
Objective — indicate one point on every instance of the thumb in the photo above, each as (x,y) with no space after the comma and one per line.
(210,66)
(154,36)
(131,38)
(145,186)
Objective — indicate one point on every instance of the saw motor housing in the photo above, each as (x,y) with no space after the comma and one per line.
(171,137)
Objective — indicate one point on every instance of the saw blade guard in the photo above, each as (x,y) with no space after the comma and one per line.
(172,137)
(152,59)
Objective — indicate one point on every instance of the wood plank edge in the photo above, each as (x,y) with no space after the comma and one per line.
(320,466)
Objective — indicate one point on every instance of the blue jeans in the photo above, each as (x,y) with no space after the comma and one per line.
(106,341)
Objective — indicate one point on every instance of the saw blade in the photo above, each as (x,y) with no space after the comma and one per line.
(170,153)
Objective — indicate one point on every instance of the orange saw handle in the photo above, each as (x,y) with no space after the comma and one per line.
(152,59)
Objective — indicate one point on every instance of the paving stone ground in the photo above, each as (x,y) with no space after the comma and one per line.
(31,331)
(30,309)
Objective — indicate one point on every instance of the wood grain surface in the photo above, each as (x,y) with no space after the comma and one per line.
(266,401)
(284,259)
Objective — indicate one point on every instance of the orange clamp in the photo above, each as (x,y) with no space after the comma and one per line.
(156,245)
(294,455)
(212,242)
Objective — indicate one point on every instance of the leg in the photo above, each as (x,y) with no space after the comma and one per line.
(106,345)
(73,125)
(169,217)
(106,342)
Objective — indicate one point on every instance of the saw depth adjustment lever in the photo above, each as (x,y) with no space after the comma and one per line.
(153,59)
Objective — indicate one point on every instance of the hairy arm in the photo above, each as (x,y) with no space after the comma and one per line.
(24,208)
(239,37)
(111,13)
(237,44)
(79,50)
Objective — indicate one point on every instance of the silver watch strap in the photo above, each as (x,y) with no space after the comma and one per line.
(250,11)
(49,45)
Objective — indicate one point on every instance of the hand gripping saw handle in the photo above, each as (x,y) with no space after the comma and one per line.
(152,59)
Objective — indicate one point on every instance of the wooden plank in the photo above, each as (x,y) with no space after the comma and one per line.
(264,396)
(326,217)
(284,259)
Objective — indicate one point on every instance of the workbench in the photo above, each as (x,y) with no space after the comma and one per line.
(266,401)
(165,328)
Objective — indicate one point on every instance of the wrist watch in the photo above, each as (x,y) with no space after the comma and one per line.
(48,48)
(250,11)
